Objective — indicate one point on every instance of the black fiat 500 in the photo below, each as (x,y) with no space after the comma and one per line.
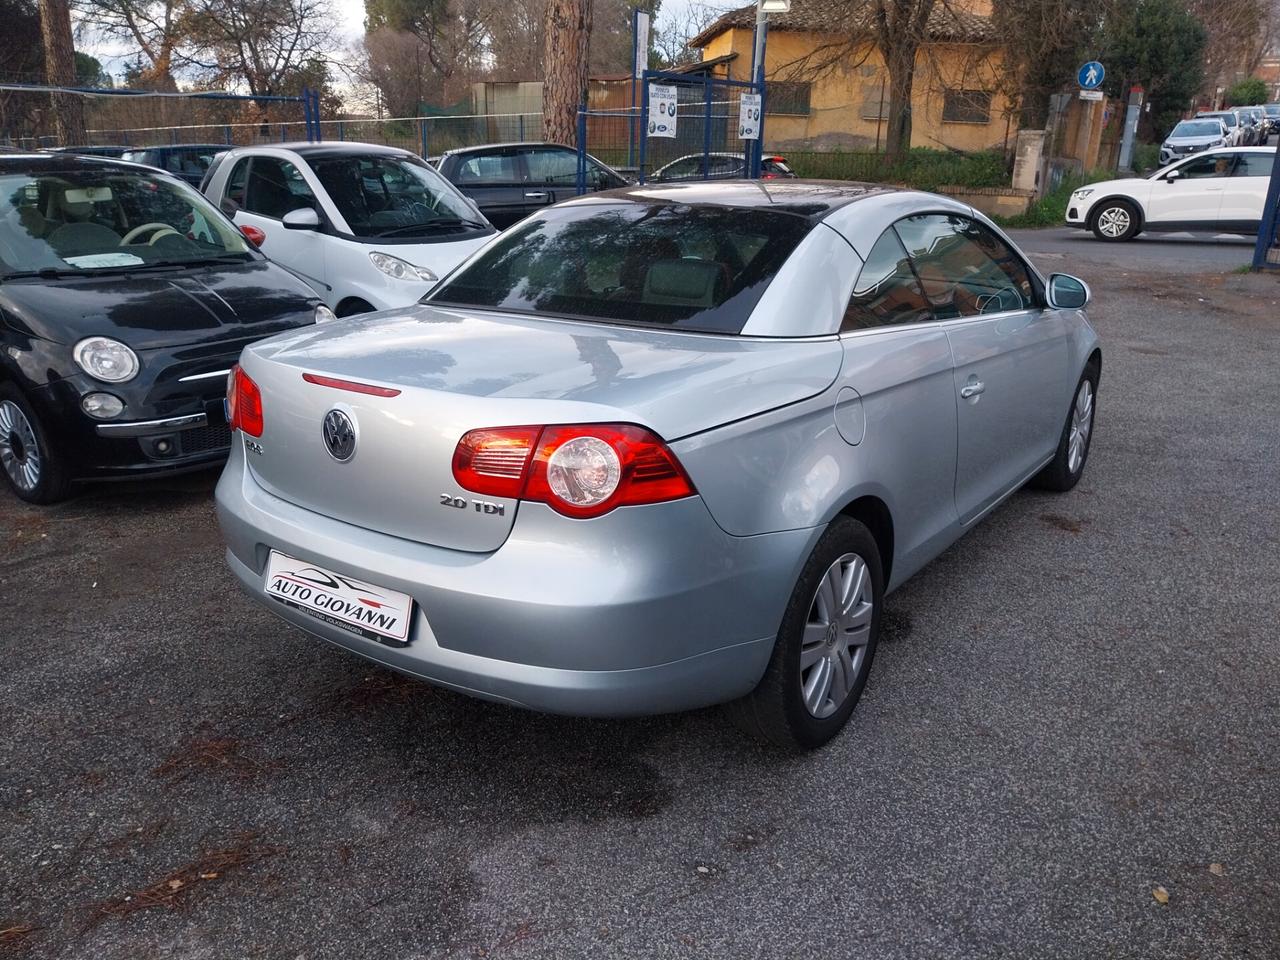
(125,298)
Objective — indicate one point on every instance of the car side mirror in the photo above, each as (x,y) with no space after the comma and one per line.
(1173,176)
(303,218)
(1067,292)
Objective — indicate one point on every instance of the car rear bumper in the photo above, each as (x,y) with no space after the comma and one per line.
(647,610)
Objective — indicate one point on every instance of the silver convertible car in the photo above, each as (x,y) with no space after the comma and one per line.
(659,448)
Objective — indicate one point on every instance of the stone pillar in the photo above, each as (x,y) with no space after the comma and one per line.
(1026,160)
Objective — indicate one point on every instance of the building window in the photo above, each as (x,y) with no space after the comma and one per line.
(875,101)
(967,106)
(786,98)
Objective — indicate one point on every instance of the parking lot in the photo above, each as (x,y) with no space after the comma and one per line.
(1072,716)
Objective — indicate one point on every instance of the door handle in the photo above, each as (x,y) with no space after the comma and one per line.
(535,196)
(972,389)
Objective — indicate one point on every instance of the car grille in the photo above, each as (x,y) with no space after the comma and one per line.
(202,439)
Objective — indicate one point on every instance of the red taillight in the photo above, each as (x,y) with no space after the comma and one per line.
(579,471)
(254,235)
(494,462)
(244,403)
(768,176)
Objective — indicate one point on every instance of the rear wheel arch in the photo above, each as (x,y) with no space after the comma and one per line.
(874,514)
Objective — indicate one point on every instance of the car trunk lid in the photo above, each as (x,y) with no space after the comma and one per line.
(439,373)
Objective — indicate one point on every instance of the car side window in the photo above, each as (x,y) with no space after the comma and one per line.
(965,270)
(886,292)
(276,187)
(552,166)
(1254,165)
(1205,167)
(489,168)
(237,180)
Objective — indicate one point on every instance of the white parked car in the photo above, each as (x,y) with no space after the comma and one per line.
(1222,191)
(369,227)
(1194,136)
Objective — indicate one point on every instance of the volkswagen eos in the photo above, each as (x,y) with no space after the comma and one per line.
(659,448)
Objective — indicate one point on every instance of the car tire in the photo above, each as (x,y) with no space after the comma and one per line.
(820,647)
(1115,221)
(1067,466)
(31,465)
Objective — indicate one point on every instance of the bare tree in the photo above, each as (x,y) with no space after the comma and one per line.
(60,70)
(259,43)
(1237,34)
(671,41)
(567,36)
(152,26)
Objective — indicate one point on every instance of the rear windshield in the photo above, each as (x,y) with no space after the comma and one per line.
(690,267)
(1197,128)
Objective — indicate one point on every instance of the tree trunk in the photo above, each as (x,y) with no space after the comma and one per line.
(566,36)
(901,64)
(60,71)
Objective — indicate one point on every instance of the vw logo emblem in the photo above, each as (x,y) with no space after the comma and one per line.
(339,436)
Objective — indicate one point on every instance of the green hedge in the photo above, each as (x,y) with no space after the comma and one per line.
(922,168)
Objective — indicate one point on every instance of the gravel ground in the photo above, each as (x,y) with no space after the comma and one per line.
(1072,709)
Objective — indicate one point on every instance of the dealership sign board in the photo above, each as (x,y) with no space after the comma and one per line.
(662,110)
(749,117)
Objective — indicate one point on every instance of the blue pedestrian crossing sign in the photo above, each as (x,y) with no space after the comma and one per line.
(1091,75)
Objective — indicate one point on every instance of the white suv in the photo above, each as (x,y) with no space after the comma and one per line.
(1222,191)
(369,227)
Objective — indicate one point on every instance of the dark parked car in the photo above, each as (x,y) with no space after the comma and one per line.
(719,166)
(125,299)
(186,160)
(114,151)
(509,181)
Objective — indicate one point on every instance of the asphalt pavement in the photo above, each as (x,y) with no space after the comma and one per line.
(1067,747)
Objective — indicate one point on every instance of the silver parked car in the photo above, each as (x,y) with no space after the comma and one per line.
(659,448)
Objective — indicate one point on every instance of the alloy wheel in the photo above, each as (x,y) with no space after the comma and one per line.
(1081,425)
(834,646)
(19,449)
(1114,222)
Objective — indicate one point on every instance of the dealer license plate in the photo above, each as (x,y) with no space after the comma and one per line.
(369,611)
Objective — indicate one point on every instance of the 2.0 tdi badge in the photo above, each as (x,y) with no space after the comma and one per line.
(339,435)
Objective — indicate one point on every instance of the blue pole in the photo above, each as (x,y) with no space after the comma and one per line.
(522,128)
(342,130)
(706,126)
(757,158)
(226,135)
(1267,229)
(422,136)
(582,152)
(635,69)
(644,124)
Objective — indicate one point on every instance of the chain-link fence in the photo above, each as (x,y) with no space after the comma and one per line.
(138,118)
(432,136)
(699,136)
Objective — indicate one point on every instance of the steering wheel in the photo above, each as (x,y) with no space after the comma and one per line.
(161,230)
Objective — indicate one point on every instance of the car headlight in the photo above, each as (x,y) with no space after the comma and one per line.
(105,359)
(1081,194)
(400,269)
(324,314)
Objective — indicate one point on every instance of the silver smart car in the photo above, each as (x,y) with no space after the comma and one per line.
(659,448)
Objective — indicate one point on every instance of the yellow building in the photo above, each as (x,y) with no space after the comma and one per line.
(829,90)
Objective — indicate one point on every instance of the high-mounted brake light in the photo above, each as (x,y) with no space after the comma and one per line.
(580,471)
(352,385)
(244,403)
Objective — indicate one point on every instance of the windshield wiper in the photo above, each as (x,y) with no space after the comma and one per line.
(195,261)
(430,225)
